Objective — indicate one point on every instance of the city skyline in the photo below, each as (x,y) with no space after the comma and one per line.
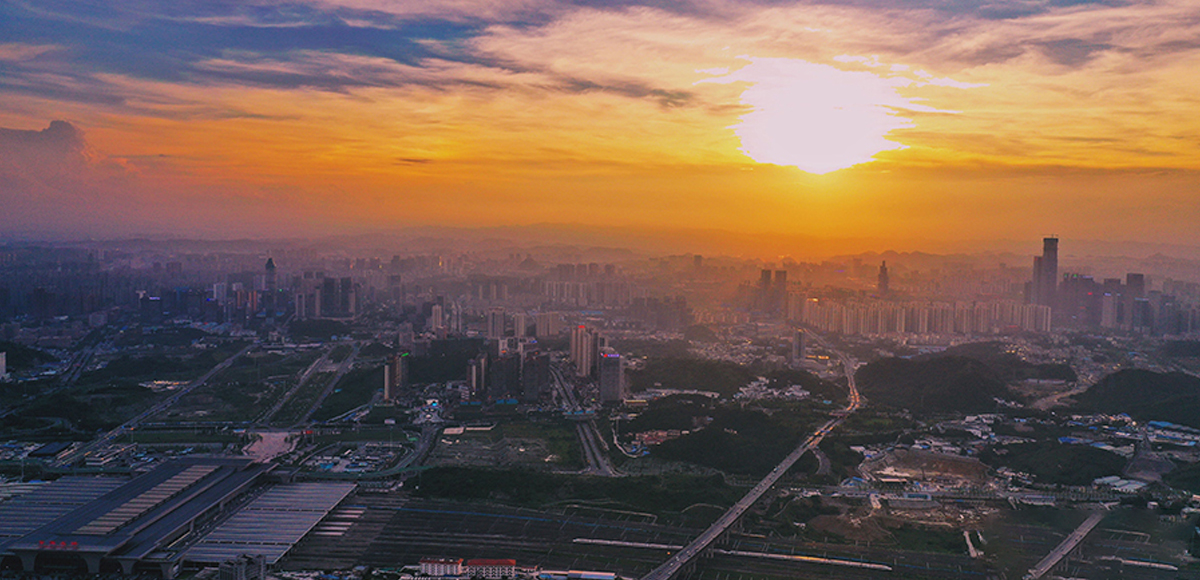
(911,126)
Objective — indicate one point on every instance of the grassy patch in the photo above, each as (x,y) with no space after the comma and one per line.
(355,389)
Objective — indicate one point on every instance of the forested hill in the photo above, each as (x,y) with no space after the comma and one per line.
(942,384)
(1146,396)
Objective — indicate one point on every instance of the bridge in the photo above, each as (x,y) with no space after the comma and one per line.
(1057,554)
(682,559)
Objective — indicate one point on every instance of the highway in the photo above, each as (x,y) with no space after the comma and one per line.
(304,378)
(704,541)
(152,411)
(589,437)
(343,368)
(1052,559)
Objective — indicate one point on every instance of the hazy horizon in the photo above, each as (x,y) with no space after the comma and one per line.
(914,125)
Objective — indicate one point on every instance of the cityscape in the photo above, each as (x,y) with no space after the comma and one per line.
(577,290)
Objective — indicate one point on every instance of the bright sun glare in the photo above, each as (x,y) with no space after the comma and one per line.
(817,117)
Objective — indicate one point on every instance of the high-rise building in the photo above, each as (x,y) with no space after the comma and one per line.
(1044,289)
(884,284)
(271,290)
(1135,285)
(535,376)
(611,371)
(520,325)
(395,376)
(221,292)
(495,323)
(798,347)
(584,344)
(477,376)
(3,366)
(547,324)
(437,318)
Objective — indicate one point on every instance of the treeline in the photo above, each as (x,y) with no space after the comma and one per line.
(1146,396)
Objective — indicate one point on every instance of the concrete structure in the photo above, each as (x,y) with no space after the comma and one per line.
(584,347)
(491,569)
(495,324)
(395,376)
(681,560)
(442,566)
(798,348)
(547,324)
(520,325)
(611,371)
(1045,274)
(244,567)
(132,527)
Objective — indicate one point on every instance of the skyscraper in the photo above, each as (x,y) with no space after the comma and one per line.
(1044,289)
(884,284)
(271,289)
(798,347)
(495,323)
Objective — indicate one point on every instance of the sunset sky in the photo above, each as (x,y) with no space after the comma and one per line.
(893,120)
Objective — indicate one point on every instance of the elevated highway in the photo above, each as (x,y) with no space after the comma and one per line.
(680,560)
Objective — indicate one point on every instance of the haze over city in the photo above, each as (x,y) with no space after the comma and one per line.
(583,290)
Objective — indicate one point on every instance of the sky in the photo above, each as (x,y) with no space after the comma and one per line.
(903,122)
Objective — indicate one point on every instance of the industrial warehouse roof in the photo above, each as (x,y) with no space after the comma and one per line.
(48,502)
(271,524)
(134,518)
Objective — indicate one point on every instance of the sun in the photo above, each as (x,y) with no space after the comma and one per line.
(817,117)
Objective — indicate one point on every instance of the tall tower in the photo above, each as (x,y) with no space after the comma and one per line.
(884,282)
(1049,276)
(271,289)
(1044,288)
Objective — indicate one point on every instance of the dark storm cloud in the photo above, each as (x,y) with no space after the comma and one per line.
(60,140)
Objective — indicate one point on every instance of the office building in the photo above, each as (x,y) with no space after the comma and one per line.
(495,323)
(395,376)
(883,286)
(611,371)
(1044,289)
(798,347)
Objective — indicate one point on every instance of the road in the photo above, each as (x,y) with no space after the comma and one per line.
(343,368)
(163,405)
(1052,559)
(594,448)
(71,373)
(704,541)
(304,378)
